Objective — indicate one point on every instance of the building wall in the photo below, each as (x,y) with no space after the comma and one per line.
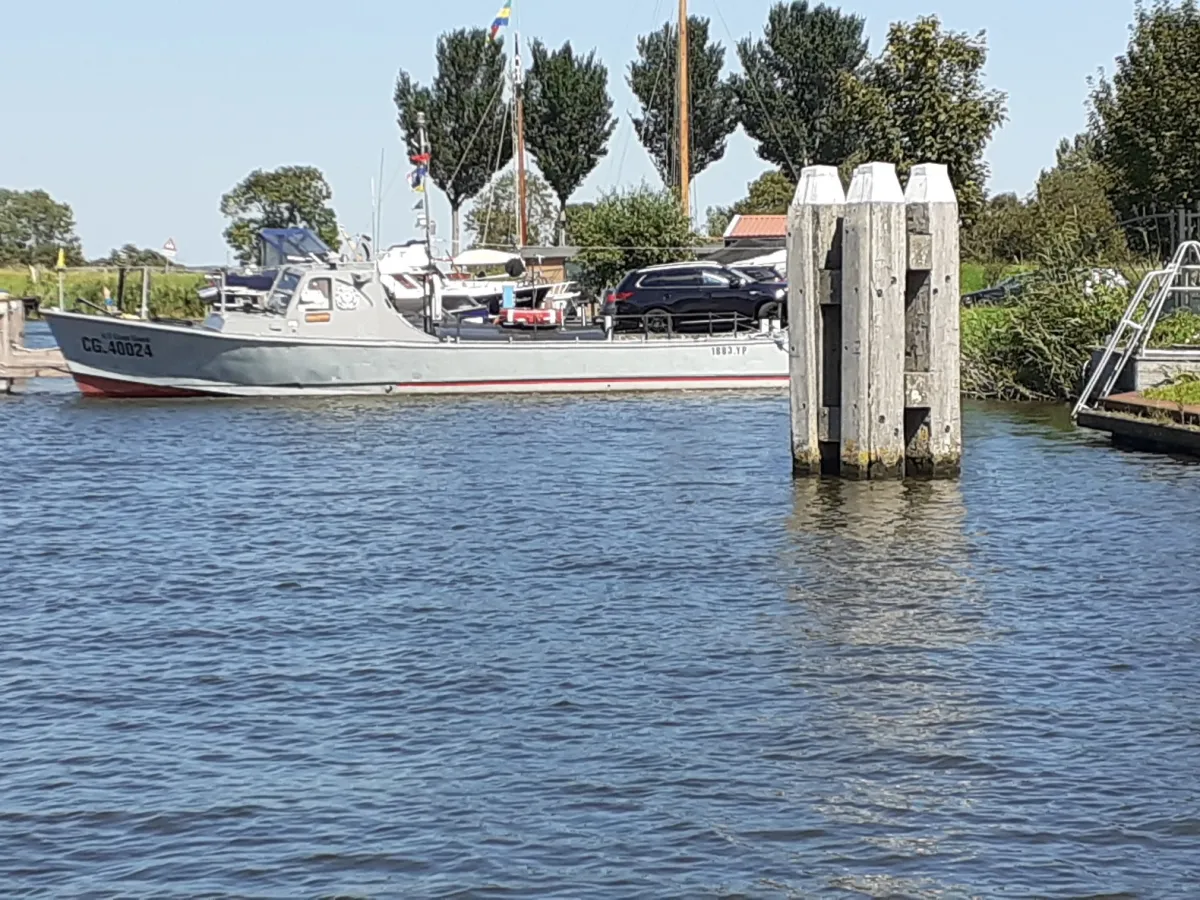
(549,271)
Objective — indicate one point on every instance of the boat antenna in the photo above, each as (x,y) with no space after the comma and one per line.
(685,157)
(377,221)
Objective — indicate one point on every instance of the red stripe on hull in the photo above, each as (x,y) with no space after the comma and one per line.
(535,382)
(95,386)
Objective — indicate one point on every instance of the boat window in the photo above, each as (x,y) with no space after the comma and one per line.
(285,287)
(317,294)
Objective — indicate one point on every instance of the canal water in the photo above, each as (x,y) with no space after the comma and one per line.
(587,648)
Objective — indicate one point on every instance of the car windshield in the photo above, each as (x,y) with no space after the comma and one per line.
(285,288)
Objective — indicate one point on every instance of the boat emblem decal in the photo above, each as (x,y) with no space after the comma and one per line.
(345,296)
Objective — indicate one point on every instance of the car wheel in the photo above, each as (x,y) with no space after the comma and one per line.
(772,309)
(657,321)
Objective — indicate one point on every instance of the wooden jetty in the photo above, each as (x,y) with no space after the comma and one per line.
(1140,423)
(17,362)
(873,318)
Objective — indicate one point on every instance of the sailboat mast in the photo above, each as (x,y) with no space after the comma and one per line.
(423,145)
(685,155)
(518,93)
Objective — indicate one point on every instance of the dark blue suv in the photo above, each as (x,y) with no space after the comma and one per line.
(694,296)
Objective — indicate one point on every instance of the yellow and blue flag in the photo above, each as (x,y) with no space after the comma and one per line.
(502,18)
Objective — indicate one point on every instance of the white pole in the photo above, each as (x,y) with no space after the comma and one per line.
(145,292)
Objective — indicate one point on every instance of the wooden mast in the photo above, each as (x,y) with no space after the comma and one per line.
(522,205)
(685,156)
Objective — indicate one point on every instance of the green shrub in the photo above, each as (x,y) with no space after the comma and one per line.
(1184,389)
(172,294)
(1039,349)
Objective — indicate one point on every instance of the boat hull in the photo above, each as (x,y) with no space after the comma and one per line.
(124,358)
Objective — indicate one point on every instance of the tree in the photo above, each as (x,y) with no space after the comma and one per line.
(628,230)
(492,218)
(1075,194)
(464,114)
(1003,231)
(654,79)
(791,96)
(132,255)
(568,116)
(923,100)
(289,197)
(1070,199)
(1145,121)
(768,195)
(34,227)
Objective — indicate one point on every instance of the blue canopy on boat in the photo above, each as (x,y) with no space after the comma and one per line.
(259,282)
(281,246)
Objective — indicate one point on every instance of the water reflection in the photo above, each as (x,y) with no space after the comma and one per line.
(881,563)
(883,607)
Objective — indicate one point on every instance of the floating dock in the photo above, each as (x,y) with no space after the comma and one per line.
(1139,423)
(1113,398)
(17,362)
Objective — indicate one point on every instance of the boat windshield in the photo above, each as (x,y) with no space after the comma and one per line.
(285,288)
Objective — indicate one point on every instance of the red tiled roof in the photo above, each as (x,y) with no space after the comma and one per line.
(757,227)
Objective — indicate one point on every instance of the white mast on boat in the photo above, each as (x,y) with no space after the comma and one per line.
(432,299)
(519,134)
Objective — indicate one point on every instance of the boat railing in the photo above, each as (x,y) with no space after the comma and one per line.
(670,325)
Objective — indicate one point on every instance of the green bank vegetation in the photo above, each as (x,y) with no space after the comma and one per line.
(1109,203)
(172,294)
(1184,389)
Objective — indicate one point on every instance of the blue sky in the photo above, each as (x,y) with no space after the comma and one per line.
(141,114)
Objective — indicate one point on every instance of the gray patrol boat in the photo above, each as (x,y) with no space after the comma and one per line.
(329,326)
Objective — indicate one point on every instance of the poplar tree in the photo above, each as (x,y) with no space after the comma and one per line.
(465,117)
(654,79)
(791,93)
(568,117)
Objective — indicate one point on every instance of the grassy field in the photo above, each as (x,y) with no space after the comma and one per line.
(977,276)
(1185,390)
(171,294)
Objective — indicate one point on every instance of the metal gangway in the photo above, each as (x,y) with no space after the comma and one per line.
(1181,276)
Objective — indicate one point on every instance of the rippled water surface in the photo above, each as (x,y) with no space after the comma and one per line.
(587,648)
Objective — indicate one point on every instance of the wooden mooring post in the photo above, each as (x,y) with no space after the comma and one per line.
(873,312)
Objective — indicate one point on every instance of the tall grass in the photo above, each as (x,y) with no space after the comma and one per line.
(1184,390)
(1039,348)
(172,294)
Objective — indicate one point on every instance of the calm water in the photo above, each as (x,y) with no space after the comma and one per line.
(586,648)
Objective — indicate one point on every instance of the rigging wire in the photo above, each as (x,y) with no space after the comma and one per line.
(491,208)
(479,128)
(653,93)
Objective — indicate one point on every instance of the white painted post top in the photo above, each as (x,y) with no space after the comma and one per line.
(930,183)
(875,182)
(819,186)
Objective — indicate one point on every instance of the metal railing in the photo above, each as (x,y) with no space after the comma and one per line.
(668,324)
(654,326)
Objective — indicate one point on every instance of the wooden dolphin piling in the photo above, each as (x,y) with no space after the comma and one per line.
(873,297)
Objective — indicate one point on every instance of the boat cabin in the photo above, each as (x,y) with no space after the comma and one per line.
(312,302)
